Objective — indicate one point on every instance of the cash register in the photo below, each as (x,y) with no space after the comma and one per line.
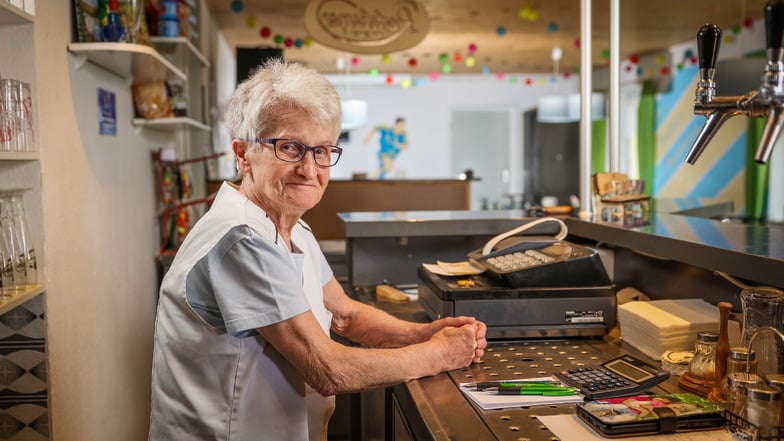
(527,287)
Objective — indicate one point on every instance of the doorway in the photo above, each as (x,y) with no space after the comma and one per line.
(484,141)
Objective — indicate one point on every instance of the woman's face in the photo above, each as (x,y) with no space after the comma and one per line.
(285,188)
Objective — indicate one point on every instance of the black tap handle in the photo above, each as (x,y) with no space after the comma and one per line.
(708,39)
(774,23)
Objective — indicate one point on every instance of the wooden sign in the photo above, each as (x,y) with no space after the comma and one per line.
(367,26)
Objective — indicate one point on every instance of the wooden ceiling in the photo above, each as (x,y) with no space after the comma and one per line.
(533,28)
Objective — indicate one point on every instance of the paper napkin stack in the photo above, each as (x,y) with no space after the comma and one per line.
(666,325)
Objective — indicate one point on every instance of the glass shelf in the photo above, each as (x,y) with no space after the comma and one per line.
(19,156)
(127,60)
(9,302)
(11,15)
(166,124)
(179,48)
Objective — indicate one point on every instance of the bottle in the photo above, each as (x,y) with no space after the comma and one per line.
(735,390)
(113,29)
(762,408)
(739,361)
(703,365)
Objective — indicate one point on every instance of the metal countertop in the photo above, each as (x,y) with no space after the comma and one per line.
(435,409)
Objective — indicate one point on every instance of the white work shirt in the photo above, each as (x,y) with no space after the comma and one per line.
(214,376)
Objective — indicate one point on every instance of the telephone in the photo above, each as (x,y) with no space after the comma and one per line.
(528,261)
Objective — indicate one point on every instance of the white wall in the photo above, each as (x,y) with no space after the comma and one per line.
(427,109)
(100,244)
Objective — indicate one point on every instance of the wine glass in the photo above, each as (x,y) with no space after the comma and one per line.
(9,278)
(25,257)
(132,12)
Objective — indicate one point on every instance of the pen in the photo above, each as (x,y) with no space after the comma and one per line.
(523,383)
(544,390)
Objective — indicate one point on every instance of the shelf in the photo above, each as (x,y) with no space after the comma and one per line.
(127,60)
(9,302)
(19,156)
(179,48)
(168,124)
(11,15)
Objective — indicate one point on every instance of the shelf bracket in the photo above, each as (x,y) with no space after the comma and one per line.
(78,60)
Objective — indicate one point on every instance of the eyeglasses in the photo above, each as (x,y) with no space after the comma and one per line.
(289,150)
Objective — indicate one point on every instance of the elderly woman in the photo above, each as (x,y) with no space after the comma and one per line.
(242,346)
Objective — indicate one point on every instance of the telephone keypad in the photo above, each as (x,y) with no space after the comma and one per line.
(514,261)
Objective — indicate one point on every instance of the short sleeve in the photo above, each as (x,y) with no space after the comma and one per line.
(245,282)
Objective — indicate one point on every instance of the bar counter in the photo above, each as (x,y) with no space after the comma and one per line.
(676,254)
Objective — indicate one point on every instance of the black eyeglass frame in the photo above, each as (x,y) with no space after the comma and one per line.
(304,148)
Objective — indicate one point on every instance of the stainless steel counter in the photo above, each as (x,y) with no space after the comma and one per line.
(434,408)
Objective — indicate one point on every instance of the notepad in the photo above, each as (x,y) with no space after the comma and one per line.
(492,400)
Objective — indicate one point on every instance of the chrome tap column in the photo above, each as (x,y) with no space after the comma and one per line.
(767,101)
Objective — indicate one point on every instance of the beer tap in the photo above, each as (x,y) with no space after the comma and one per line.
(768,100)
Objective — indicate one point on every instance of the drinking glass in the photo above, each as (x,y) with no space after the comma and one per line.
(25,257)
(9,115)
(10,277)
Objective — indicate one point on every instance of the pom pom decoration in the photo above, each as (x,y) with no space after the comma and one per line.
(373,72)
(390,79)
(577,43)
(299,43)
(748,23)
(529,14)
(443,58)
(501,31)
(557,54)
(237,6)
(288,42)
(471,48)
(446,68)
(457,57)
(412,62)
(405,84)
(634,59)
(552,27)
(485,70)
(470,61)
(433,76)
(385,58)
(250,21)
(354,61)
(278,39)
(265,32)
(308,41)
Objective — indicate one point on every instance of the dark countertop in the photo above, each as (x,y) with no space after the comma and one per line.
(678,229)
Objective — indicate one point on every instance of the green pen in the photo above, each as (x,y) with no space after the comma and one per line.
(494,384)
(544,390)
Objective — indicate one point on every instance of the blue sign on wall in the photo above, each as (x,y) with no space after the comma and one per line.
(107,113)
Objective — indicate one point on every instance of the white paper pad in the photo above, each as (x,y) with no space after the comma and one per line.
(452,268)
(492,400)
(570,427)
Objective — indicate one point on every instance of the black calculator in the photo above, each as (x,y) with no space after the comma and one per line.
(619,377)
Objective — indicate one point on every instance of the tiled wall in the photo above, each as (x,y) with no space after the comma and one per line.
(24,409)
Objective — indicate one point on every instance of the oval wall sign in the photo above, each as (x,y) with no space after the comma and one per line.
(367,26)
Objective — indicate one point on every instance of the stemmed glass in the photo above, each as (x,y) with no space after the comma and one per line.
(20,268)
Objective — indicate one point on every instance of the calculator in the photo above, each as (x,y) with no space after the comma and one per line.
(622,376)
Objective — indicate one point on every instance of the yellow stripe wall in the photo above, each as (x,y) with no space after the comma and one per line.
(719,172)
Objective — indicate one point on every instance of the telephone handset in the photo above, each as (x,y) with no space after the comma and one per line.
(521,261)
